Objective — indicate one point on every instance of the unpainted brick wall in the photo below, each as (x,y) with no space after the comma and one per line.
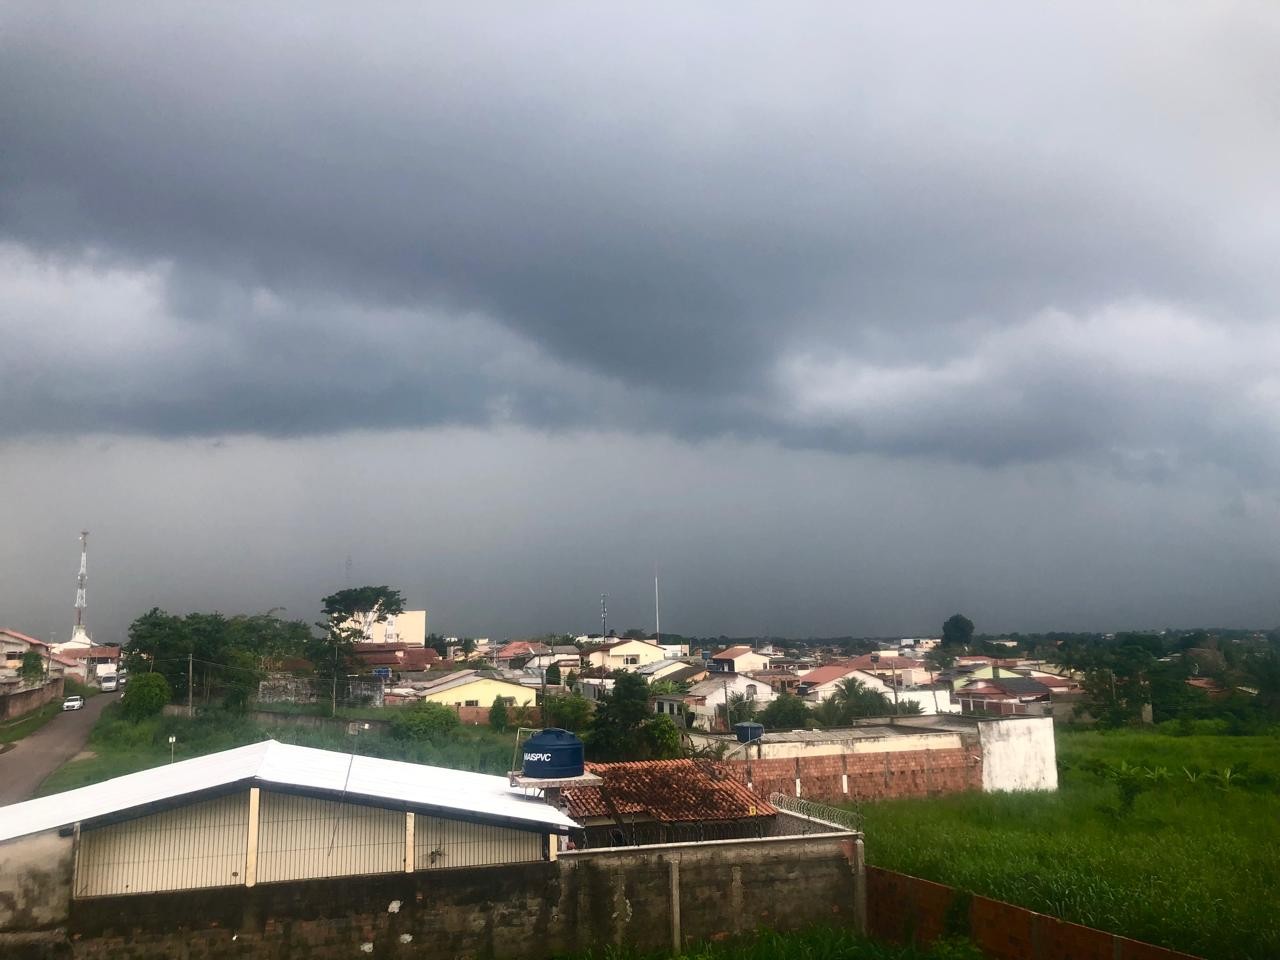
(903,908)
(871,776)
(586,900)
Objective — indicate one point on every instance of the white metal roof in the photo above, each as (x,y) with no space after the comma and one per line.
(285,765)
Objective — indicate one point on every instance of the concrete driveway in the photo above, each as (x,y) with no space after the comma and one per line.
(33,758)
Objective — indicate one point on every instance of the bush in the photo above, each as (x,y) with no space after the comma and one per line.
(145,696)
(424,721)
(498,718)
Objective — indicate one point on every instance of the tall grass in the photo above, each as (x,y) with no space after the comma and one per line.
(1193,865)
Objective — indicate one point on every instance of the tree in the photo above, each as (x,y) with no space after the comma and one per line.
(939,659)
(145,696)
(740,709)
(424,721)
(859,700)
(349,615)
(553,675)
(439,644)
(498,714)
(32,669)
(570,713)
(619,715)
(468,646)
(787,712)
(635,633)
(660,738)
(957,631)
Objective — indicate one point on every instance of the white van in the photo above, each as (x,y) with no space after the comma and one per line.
(108,683)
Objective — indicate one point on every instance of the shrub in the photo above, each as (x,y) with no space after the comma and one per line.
(424,721)
(498,718)
(145,696)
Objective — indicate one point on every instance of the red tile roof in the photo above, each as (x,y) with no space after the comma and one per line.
(388,659)
(827,673)
(732,653)
(22,636)
(81,653)
(521,648)
(670,791)
(366,647)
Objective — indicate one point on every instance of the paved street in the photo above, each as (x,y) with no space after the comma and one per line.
(32,759)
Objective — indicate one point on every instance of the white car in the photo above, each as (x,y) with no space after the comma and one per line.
(73,703)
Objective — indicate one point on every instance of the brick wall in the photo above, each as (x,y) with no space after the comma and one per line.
(866,776)
(635,897)
(904,908)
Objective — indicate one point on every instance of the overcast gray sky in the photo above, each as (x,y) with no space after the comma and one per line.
(846,317)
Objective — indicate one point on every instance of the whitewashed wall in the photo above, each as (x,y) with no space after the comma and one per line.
(1018,754)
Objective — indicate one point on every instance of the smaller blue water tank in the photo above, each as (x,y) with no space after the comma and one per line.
(553,754)
(748,732)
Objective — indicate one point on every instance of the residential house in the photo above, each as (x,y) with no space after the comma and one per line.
(399,658)
(98,661)
(906,671)
(564,656)
(824,683)
(704,704)
(470,688)
(517,653)
(667,801)
(677,671)
(738,660)
(1004,694)
(14,646)
(627,655)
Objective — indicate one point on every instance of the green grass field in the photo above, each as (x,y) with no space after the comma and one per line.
(1194,865)
(121,747)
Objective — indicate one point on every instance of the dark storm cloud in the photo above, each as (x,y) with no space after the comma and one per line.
(920,234)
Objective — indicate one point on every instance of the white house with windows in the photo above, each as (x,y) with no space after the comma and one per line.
(739,660)
(705,701)
(626,655)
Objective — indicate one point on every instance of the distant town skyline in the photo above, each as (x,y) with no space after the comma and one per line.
(848,318)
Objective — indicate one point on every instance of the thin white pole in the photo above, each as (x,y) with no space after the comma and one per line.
(657,611)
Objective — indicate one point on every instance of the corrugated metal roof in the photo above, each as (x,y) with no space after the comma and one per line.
(281,764)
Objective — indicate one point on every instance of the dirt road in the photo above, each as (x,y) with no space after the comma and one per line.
(33,758)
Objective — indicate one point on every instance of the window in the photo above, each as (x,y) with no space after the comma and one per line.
(751,691)
(473,703)
(631,660)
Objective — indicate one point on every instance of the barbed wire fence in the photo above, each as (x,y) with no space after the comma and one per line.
(814,817)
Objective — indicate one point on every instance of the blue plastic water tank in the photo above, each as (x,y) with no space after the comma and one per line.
(748,732)
(553,754)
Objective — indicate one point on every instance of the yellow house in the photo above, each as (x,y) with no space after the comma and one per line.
(627,655)
(470,689)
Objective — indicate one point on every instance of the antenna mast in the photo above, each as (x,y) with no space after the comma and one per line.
(604,615)
(81,596)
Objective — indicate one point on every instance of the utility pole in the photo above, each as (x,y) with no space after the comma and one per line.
(657,611)
(190,708)
(893,663)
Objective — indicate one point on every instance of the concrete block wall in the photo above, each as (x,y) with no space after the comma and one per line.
(647,898)
(19,703)
(865,776)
